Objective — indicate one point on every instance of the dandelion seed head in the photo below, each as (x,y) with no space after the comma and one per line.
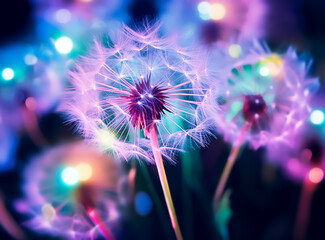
(274,104)
(146,104)
(54,207)
(152,87)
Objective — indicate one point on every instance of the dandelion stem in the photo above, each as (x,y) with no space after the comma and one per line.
(303,211)
(164,182)
(229,165)
(107,234)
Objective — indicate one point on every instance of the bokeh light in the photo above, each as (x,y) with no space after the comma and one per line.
(70,176)
(317,117)
(63,15)
(316,175)
(64,45)
(204,8)
(30,59)
(235,50)
(143,203)
(218,11)
(8,74)
(48,212)
(85,171)
(264,71)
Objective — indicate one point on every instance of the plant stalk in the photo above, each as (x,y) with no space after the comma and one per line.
(163,181)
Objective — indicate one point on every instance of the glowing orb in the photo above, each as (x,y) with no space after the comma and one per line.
(8,74)
(264,71)
(234,50)
(204,7)
(316,175)
(218,11)
(30,59)
(85,171)
(64,45)
(317,117)
(48,212)
(70,176)
(143,203)
(63,15)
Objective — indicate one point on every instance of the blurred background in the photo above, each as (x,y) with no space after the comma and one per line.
(39,42)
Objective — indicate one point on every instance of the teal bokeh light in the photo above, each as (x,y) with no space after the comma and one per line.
(70,176)
(317,117)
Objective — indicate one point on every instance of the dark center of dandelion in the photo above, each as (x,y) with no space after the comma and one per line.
(254,109)
(146,103)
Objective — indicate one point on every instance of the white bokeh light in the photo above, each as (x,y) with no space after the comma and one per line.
(70,176)
(317,117)
(64,45)
(30,59)
(63,15)
(8,74)
(264,71)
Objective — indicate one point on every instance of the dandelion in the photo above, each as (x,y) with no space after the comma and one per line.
(265,101)
(140,98)
(71,191)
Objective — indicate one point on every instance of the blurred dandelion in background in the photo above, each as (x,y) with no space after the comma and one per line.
(63,196)
(265,100)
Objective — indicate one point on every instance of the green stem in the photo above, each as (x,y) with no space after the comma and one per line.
(229,165)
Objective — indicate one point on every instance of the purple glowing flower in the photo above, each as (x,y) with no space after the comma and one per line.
(68,188)
(266,94)
(139,83)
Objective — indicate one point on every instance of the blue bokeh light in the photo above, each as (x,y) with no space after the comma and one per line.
(143,203)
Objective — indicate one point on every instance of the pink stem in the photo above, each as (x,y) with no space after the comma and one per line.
(164,182)
(307,191)
(107,234)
